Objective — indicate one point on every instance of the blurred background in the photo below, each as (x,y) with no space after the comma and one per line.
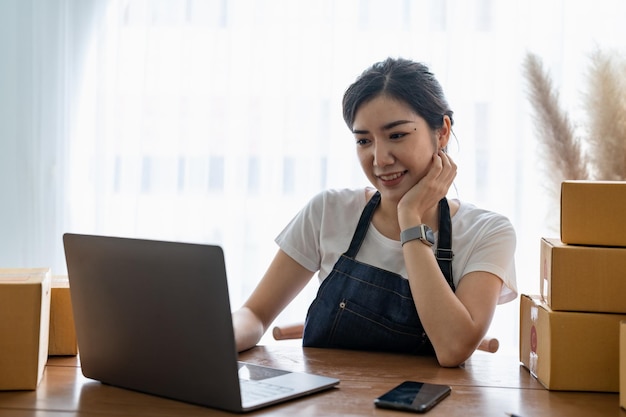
(215,121)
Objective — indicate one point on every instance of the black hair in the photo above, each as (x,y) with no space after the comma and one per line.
(401,79)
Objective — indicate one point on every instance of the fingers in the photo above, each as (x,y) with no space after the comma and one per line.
(443,169)
(448,168)
(434,185)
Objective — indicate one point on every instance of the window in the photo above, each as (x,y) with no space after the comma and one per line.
(215,121)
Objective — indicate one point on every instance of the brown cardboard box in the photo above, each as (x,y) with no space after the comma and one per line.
(583,278)
(592,213)
(569,351)
(62,332)
(24,326)
(622,365)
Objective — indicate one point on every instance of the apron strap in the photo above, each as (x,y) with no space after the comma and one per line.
(363,225)
(444,252)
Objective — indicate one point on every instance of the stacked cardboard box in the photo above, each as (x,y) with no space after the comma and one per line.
(570,334)
(24,326)
(622,365)
(62,333)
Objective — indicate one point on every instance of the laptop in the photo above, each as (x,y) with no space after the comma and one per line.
(155,317)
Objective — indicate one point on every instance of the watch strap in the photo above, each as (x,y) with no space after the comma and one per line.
(418,232)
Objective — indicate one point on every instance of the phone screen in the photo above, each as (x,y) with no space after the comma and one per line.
(413,396)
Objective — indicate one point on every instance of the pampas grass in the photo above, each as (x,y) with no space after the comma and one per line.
(560,150)
(605,105)
(599,153)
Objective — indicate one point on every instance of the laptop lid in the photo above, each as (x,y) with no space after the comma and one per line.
(155,317)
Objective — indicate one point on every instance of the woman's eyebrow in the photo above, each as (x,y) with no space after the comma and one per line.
(388,126)
(396,123)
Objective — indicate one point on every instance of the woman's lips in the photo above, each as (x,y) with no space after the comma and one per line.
(391,179)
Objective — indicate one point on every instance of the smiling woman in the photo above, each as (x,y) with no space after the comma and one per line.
(216,121)
(436,298)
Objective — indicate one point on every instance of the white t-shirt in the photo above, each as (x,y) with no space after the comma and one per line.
(321,232)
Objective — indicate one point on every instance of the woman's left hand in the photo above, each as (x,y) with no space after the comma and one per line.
(429,190)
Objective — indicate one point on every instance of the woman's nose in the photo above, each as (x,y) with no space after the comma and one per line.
(382,155)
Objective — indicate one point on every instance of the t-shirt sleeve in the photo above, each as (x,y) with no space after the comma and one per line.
(494,252)
(300,239)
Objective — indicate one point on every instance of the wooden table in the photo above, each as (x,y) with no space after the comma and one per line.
(487,385)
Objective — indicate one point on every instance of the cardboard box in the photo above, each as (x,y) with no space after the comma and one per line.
(569,351)
(24,326)
(622,365)
(592,213)
(583,278)
(62,340)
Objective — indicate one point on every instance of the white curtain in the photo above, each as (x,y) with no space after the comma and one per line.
(214,121)
(42,45)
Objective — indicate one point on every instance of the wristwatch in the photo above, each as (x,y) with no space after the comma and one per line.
(421,232)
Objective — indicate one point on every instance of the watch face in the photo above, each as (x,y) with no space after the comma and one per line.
(430,236)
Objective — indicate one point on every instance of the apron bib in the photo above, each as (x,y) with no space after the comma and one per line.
(359,306)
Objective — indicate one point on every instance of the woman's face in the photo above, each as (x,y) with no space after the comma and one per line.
(394,144)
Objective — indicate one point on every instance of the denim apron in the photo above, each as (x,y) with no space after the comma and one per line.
(360,306)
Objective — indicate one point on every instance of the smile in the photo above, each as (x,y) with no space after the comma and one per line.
(391,177)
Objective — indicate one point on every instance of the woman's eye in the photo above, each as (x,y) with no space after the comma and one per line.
(397,135)
(362,141)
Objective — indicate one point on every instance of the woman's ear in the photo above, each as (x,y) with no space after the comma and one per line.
(444,132)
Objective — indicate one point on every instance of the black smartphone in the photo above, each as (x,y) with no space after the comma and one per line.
(417,397)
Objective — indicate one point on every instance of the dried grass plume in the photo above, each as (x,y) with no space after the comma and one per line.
(606,109)
(559,147)
(600,153)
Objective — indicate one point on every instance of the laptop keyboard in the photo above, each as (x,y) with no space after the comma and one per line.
(257,390)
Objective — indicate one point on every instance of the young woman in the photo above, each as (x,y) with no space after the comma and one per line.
(402,268)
